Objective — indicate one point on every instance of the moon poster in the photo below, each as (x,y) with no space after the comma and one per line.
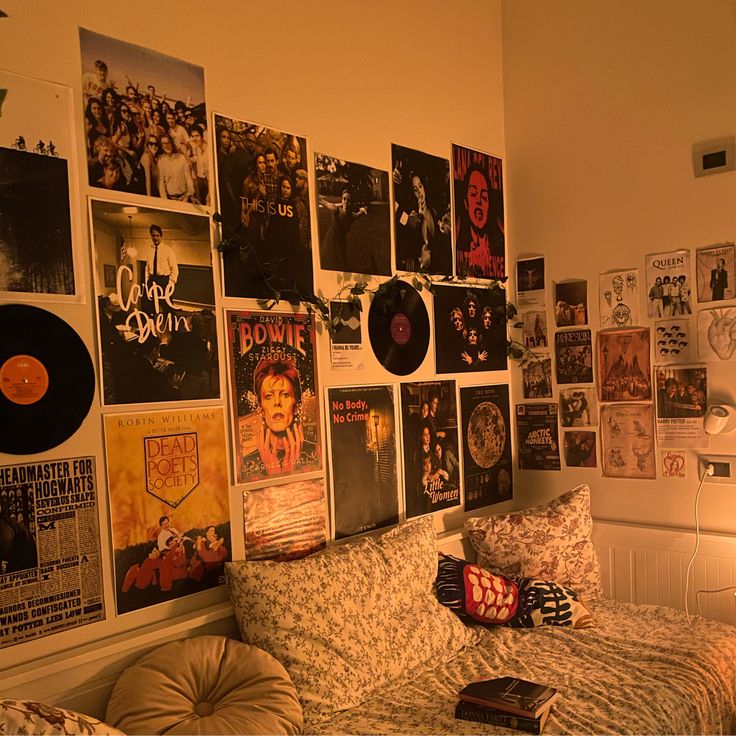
(486,430)
(365,488)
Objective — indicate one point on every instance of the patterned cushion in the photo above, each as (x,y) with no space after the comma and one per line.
(349,619)
(550,542)
(32,717)
(477,595)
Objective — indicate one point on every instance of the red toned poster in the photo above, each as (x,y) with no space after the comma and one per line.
(274,385)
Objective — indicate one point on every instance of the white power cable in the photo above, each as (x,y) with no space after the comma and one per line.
(709,470)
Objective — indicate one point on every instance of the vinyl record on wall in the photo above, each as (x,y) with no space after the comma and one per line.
(47,380)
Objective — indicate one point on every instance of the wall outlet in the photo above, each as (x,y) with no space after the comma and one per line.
(723,465)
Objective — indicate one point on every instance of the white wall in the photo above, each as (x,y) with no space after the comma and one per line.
(604,101)
(353,77)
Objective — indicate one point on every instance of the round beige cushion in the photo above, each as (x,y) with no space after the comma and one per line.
(205,685)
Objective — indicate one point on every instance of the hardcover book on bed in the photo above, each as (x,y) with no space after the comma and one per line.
(511,695)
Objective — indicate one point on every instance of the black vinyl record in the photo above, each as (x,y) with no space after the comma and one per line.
(47,380)
(398,327)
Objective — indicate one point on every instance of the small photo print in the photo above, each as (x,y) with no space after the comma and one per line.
(421,204)
(578,407)
(673,464)
(624,367)
(674,341)
(668,284)
(580,449)
(619,298)
(717,334)
(535,330)
(353,216)
(530,282)
(537,379)
(716,272)
(571,303)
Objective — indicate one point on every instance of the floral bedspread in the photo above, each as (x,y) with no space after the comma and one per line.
(638,670)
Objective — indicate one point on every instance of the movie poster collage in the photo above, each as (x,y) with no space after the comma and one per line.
(152,153)
(652,372)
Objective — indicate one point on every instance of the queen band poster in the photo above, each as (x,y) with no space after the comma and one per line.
(362,425)
(431,453)
(470,329)
(274,394)
(538,438)
(480,243)
(486,429)
(263,196)
(169,504)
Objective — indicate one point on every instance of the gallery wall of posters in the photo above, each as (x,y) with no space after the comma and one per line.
(469,329)
(354,219)
(421,205)
(431,452)
(537,435)
(480,242)
(263,197)
(362,431)
(155,304)
(37,177)
(627,441)
(273,381)
(486,431)
(145,121)
(285,522)
(169,505)
(50,561)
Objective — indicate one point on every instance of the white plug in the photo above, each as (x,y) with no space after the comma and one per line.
(710,470)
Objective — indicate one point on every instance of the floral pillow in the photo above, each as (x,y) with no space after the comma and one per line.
(32,717)
(477,595)
(550,542)
(344,621)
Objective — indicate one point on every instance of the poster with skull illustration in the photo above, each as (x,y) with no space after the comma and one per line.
(619,298)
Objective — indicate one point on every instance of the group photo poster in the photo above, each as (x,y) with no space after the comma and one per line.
(574,356)
(50,557)
(273,381)
(536,376)
(486,430)
(668,285)
(169,505)
(537,436)
(627,441)
(263,201)
(155,297)
(717,334)
(534,330)
(682,401)
(530,282)
(421,207)
(363,442)
(353,217)
(145,121)
(579,449)
(619,298)
(469,329)
(675,341)
(624,368)
(346,337)
(479,226)
(578,407)
(39,252)
(716,272)
(571,302)
(431,452)
(285,522)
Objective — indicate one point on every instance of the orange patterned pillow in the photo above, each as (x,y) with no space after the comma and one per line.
(550,542)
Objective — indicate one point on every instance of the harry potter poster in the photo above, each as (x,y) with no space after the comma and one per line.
(363,458)
(470,329)
(431,453)
(480,243)
(274,386)
(539,444)
(486,430)
(624,366)
(682,400)
(169,506)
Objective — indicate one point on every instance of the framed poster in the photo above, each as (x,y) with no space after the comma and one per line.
(273,382)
